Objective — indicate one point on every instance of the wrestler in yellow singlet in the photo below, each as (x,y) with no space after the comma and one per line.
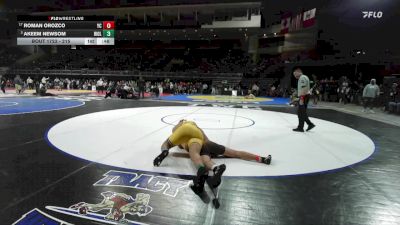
(187,133)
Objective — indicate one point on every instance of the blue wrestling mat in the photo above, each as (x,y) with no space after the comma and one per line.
(9,106)
(226,99)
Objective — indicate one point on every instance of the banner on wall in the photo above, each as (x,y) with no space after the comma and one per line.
(285,23)
(309,18)
(301,20)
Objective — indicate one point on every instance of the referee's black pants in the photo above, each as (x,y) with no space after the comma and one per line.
(302,113)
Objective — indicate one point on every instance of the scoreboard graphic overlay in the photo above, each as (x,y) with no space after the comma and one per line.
(65,30)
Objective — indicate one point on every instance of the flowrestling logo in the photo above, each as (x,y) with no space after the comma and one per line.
(372,14)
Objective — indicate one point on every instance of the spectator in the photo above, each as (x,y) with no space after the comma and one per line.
(3,82)
(205,87)
(371,91)
(343,91)
(29,81)
(255,89)
(249,95)
(57,84)
(315,90)
(99,86)
(394,99)
(356,93)
(160,89)
(44,80)
(141,85)
(18,84)
(68,83)
(213,90)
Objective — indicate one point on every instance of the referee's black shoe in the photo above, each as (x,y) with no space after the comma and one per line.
(310,127)
(298,130)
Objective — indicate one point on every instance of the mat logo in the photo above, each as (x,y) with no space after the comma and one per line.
(372,14)
(118,204)
(167,185)
(112,209)
(37,217)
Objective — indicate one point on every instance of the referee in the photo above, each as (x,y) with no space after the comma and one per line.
(303,92)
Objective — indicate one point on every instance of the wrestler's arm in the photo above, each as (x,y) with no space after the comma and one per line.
(166,145)
(164,153)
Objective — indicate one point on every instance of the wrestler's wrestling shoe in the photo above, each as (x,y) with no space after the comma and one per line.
(157,161)
(215,180)
(266,160)
(199,180)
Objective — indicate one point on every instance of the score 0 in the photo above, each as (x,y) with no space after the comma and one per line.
(108,29)
(108,25)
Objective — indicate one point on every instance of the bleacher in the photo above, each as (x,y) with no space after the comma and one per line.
(128,74)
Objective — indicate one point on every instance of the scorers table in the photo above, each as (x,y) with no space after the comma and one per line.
(65,30)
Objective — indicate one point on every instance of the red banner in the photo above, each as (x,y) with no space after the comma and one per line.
(309,18)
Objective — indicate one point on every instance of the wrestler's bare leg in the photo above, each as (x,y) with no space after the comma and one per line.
(246,156)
